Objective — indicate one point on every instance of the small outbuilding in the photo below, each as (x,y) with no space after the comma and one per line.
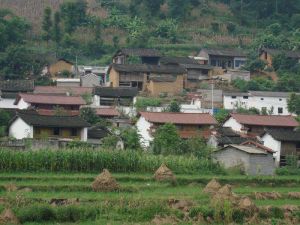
(252,159)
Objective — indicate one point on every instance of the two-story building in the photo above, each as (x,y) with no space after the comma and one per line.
(225,58)
(151,79)
(188,124)
(255,125)
(273,102)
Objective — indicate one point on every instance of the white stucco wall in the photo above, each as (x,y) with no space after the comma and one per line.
(7,103)
(269,102)
(273,144)
(22,104)
(84,134)
(232,103)
(257,102)
(19,129)
(233,124)
(143,128)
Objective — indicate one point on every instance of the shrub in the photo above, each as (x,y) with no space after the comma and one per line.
(142,103)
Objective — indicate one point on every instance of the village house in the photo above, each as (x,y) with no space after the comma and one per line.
(207,98)
(252,160)
(90,80)
(100,71)
(283,142)
(57,68)
(196,72)
(188,124)
(118,96)
(271,102)
(137,55)
(30,124)
(232,75)
(255,125)
(224,58)
(50,104)
(267,55)
(152,79)
(9,90)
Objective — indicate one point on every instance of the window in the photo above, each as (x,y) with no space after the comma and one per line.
(56,131)
(262,99)
(74,132)
(245,97)
(280,110)
(213,62)
(233,97)
(298,146)
(280,99)
(124,84)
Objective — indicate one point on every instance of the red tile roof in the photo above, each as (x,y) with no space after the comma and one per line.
(62,90)
(50,99)
(179,118)
(262,120)
(107,112)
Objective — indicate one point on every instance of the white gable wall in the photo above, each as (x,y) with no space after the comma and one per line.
(273,144)
(233,124)
(232,103)
(269,102)
(143,128)
(22,104)
(19,129)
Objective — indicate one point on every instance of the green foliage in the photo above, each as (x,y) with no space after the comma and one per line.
(89,115)
(73,14)
(231,28)
(281,62)
(178,9)
(142,103)
(250,111)
(174,106)
(92,161)
(294,103)
(56,33)
(110,142)
(221,115)
(166,140)
(256,84)
(167,29)
(47,24)
(131,138)
(197,146)
(88,98)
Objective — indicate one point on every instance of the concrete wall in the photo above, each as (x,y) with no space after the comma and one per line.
(22,104)
(19,129)
(273,144)
(254,164)
(143,128)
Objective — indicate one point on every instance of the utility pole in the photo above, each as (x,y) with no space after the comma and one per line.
(76,67)
(212,96)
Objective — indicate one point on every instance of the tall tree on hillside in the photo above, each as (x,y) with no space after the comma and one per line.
(178,8)
(294,104)
(47,24)
(73,14)
(56,28)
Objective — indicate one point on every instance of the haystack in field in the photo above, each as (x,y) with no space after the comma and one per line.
(267,195)
(212,187)
(225,194)
(8,217)
(163,173)
(105,182)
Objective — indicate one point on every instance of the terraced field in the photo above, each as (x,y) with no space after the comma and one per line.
(68,198)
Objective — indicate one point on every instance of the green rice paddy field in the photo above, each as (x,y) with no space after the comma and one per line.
(138,201)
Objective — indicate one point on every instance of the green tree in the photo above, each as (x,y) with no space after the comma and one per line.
(153,6)
(56,28)
(173,107)
(131,139)
(167,29)
(89,115)
(47,24)
(294,103)
(221,115)
(178,9)
(166,140)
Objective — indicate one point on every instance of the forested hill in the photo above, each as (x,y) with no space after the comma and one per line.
(94,29)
